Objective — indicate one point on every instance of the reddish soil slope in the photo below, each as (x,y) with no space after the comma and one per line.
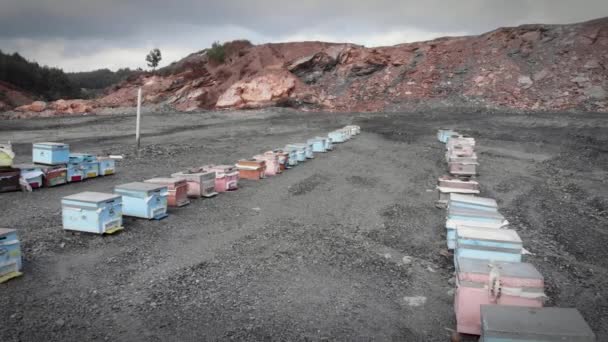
(531,67)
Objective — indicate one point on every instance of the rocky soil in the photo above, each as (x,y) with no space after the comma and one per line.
(348,246)
(530,67)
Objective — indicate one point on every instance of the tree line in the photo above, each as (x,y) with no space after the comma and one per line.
(53,83)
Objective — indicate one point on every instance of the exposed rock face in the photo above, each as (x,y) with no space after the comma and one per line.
(36,106)
(73,106)
(531,67)
(261,91)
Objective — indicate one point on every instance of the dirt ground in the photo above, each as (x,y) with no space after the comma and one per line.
(347,247)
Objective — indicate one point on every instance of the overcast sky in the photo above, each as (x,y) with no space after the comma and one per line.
(90,34)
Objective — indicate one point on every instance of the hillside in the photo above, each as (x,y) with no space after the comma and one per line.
(530,67)
(39,81)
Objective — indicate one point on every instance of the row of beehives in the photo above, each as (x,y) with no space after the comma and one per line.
(497,295)
(102,213)
(53,165)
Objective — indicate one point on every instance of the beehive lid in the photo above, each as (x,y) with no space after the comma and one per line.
(484,201)
(51,144)
(6,231)
(446,189)
(501,235)
(51,167)
(508,269)
(140,186)
(91,197)
(27,166)
(548,324)
(456,179)
(164,180)
(475,213)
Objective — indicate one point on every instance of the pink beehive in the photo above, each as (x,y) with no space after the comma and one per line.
(272,162)
(481,282)
(226,177)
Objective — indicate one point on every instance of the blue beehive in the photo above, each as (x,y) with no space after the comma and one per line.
(91,169)
(10,248)
(51,153)
(471,218)
(144,200)
(444,134)
(76,172)
(307,147)
(300,151)
(107,166)
(489,244)
(467,216)
(337,136)
(472,202)
(293,155)
(82,157)
(318,144)
(329,144)
(508,323)
(92,212)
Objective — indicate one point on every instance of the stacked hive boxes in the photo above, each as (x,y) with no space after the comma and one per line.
(495,290)
(53,165)
(201,183)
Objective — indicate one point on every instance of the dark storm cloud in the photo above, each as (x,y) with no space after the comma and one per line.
(95,18)
(89,27)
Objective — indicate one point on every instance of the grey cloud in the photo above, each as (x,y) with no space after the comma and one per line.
(87,26)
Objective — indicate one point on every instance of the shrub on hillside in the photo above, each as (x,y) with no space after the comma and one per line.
(217,52)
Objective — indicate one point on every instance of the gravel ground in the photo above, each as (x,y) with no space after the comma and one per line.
(347,246)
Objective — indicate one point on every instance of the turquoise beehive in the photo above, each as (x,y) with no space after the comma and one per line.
(10,247)
(488,244)
(91,169)
(51,153)
(76,172)
(144,200)
(337,136)
(300,151)
(92,212)
(318,144)
(107,166)
(472,202)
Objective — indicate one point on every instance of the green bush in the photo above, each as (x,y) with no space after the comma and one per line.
(217,52)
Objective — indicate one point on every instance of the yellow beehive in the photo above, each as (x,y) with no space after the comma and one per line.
(6,155)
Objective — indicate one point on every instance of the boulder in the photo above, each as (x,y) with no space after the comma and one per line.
(531,36)
(72,106)
(525,81)
(36,106)
(259,91)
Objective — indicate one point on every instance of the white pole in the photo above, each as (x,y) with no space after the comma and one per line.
(137,125)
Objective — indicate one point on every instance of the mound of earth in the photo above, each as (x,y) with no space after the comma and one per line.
(530,67)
